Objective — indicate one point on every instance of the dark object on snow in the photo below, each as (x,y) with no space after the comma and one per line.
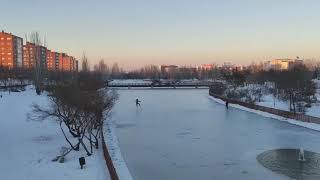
(38,91)
(82,162)
(138,103)
(61,159)
(227,104)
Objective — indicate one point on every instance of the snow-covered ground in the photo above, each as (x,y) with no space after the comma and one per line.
(13,82)
(115,152)
(270,101)
(28,147)
(312,126)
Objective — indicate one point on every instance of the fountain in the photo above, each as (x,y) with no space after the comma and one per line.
(301,155)
(294,163)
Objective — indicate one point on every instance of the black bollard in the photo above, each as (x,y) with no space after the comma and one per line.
(82,162)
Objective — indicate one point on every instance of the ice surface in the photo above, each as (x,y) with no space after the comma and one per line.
(184,134)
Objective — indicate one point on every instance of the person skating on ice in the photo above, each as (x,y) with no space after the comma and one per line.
(138,102)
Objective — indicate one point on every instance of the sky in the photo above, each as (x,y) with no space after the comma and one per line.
(135,33)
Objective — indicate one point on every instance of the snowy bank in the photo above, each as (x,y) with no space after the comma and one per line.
(28,147)
(115,152)
(312,126)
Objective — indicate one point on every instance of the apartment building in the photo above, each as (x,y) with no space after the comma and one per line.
(29,55)
(66,63)
(14,54)
(34,55)
(52,60)
(43,57)
(51,64)
(207,66)
(56,60)
(282,64)
(11,50)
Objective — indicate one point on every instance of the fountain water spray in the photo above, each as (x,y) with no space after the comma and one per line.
(301,155)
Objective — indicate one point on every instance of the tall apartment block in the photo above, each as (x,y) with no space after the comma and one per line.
(56,60)
(43,57)
(52,60)
(29,55)
(11,52)
(34,55)
(14,54)
(51,64)
(66,63)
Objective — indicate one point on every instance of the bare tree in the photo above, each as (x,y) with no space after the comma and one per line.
(38,76)
(115,71)
(4,76)
(80,111)
(85,63)
(102,67)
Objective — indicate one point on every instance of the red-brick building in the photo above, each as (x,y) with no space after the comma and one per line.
(51,63)
(29,55)
(14,54)
(11,53)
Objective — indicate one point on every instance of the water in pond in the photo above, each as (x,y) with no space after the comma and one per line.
(182,134)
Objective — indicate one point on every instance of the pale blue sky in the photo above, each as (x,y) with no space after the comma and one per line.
(139,32)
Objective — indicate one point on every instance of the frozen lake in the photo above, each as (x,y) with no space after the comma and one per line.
(182,134)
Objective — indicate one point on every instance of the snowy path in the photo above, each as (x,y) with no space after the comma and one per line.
(27,147)
(184,134)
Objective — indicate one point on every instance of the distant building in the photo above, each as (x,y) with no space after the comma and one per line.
(51,64)
(56,61)
(29,55)
(67,63)
(168,68)
(60,61)
(11,52)
(168,71)
(228,66)
(72,64)
(34,55)
(282,64)
(206,66)
(240,68)
(43,57)
(52,60)
(14,54)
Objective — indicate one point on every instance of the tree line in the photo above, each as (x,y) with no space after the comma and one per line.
(295,85)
